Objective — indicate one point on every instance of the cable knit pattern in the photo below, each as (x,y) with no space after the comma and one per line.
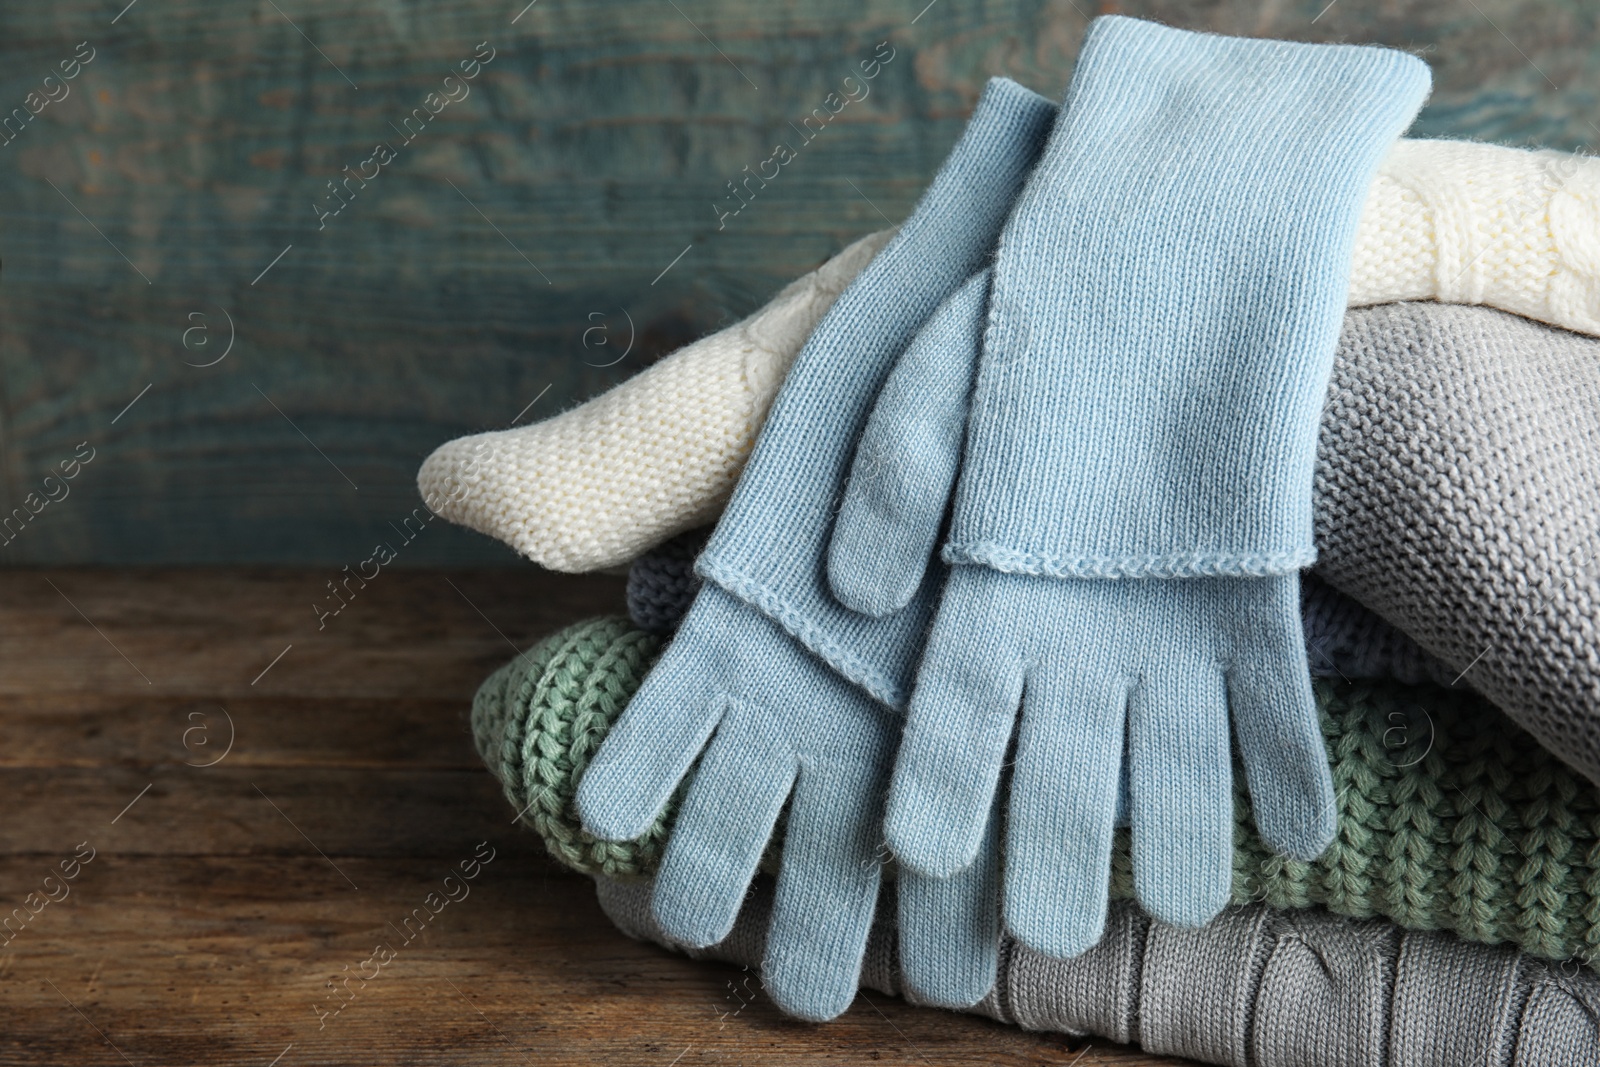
(597,485)
(1458,477)
(1450,818)
(1466,223)
(1258,987)
(657,455)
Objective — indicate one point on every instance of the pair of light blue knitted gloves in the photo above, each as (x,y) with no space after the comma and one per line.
(1097,351)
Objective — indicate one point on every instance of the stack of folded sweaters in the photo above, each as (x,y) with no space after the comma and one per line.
(969,654)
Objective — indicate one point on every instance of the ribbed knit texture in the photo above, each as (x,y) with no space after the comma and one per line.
(537,722)
(1458,461)
(1150,357)
(1165,306)
(597,485)
(1256,988)
(1450,817)
(663,583)
(776,728)
(1343,639)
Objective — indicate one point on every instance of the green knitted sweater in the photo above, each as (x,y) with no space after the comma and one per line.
(1450,817)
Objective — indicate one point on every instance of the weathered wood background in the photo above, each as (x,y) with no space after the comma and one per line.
(458,286)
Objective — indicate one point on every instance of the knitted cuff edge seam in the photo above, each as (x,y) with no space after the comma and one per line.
(1166,565)
(796,624)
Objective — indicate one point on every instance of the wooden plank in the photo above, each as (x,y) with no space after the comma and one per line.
(213,633)
(91,730)
(224,810)
(219,901)
(596,143)
(226,962)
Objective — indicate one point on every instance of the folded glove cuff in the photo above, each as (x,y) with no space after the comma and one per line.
(1166,303)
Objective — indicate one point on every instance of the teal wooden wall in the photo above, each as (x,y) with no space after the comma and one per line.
(457,286)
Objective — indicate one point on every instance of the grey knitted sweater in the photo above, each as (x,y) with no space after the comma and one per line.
(1255,987)
(1458,497)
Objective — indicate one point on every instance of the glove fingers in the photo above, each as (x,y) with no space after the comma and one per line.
(950,928)
(1180,782)
(722,829)
(1063,808)
(827,888)
(906,462)
(956,734)
(1285,759)
(648,751)
(1275,719)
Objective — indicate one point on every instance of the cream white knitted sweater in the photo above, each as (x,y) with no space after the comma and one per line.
(597,485)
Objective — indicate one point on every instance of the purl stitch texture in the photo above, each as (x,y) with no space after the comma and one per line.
(595,486)
(1450,817)
(1457,466)
(662,582)
(1345,640)
(1457,489)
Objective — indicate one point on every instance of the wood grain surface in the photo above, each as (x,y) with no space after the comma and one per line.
(500,266)
(222,899)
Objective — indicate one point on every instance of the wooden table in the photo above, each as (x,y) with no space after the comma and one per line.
(229,885)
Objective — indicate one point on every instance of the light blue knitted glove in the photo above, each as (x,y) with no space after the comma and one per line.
(1134,499)
(786,730)
(774,682)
